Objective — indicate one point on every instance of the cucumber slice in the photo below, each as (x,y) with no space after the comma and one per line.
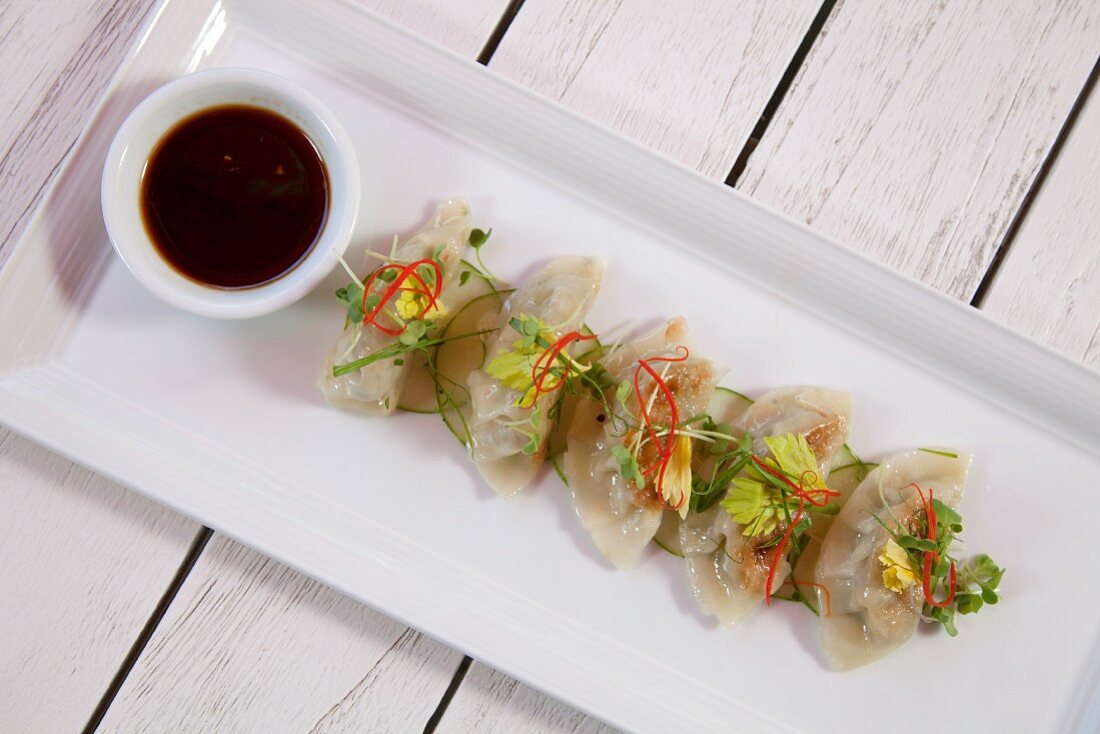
(668,534)
(557,442)
(455,360)
(555,461)
(727,405)
(471,284)
(418,393)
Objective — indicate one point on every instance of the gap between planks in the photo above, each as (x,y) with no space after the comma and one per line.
(789,74)
(203,537)
(1033,191)
(483,58)
(782,88)
(193,553)
(449,694)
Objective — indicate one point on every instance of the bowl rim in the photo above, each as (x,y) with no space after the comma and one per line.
(145,127)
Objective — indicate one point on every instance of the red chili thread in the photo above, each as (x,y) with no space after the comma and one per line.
(665,449)
(781,549)
(546,360)
(804,495)
(931,557)
(808,476)
(404,271)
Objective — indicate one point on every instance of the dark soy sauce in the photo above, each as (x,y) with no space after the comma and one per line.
(234,196)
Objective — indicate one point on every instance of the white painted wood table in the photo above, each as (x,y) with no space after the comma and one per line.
(958,142)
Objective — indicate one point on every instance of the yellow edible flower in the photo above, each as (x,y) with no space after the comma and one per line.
(515,367)
(898,574)
(676,488)
(412,303)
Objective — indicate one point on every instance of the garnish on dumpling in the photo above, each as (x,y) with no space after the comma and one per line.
(515,395)
(887,560)
(630,443)
(396,312)
(758,495)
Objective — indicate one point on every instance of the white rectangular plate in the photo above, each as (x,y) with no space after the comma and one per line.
(221,420)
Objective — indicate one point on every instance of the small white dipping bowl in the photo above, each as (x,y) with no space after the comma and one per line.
(147,125)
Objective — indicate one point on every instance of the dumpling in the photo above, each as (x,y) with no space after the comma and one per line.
(862,620)
(847,473)
(376,387)
(621,516)
(509,414)
(728,571)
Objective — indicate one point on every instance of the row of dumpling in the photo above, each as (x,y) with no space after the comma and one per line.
(646,441)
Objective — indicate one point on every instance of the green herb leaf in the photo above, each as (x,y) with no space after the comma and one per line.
(351,298)
(946,617)
(414,332)
(924,544)
(398,348)
(532,445)
(628,463)
(624,391)
(463,277)
(945,516)
(720,446)
(942,567)
(479,237)
(968,603)
(989,596)
(555,461)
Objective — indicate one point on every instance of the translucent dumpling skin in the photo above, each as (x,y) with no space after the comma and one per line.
(621,519)
(375,389)
(862,620)
(726,571)
(561,295)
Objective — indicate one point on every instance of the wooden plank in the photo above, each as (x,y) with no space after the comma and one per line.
(57,60)
(489,701)
(85,563)
(251,646)
(613,98)
(686,79)
(1049,283)
(892,96)
(689,81)
(915,129)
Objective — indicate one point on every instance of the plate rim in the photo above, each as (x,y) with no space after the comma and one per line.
(24,396)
